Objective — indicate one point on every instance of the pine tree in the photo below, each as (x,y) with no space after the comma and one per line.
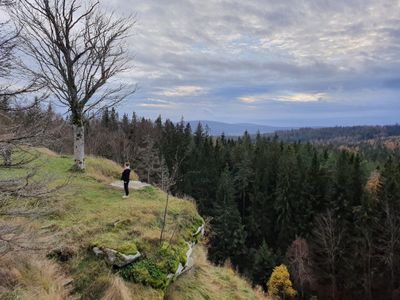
(264,262)
(286,200)
(105,118)
(125,124)
(114,119)
(229,237)
(243,179)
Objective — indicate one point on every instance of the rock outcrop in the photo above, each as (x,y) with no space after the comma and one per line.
(114,257)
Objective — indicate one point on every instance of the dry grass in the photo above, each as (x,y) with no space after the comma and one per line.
(118,290)
(104,170)
(24,276)
(46,151)
(206,281)
(141,292)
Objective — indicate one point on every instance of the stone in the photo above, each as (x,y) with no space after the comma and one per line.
(97,251)
(116,258)
(123,260)
(135,185)
(199,230)
(179,270)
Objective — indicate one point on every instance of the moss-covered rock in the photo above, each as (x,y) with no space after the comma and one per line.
(112,240)
(146,272)
(156,270)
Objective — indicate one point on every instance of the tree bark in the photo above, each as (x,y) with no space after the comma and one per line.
(7,155)
(79,146)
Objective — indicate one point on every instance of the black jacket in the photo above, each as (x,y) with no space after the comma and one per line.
(126,175)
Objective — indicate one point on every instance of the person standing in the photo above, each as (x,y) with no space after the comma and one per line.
(125,178)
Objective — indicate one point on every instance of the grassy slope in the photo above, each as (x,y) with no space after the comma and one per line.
(88,212)
(205,281)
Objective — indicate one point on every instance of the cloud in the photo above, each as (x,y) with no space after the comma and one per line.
(181,91)
(155,105)
(280,57)
(303,97)
(287,97)
(248,99)
(152,103)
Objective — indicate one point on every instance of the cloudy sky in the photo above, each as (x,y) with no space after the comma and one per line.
(285,63)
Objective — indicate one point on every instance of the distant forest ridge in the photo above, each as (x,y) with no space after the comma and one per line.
(215,128)
(338,134)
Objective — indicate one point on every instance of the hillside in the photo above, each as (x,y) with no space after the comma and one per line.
(53,256)
(339,134)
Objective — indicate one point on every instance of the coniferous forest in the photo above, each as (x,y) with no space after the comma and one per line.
(332,215)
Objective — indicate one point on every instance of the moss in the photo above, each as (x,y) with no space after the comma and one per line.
(145,246)
(128,248)
(146,272)
(168,259)
(154,271)
(191,224)
(113,241)
(181,251)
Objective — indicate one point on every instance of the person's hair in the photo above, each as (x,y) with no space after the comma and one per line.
(126,164)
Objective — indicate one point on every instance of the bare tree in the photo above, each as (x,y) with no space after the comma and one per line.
(21,128)
(75,51)
(22,123)
(168,180)
(367,256)
(299,263)
(12,133)
(328,247)
(148,159)
(388,245)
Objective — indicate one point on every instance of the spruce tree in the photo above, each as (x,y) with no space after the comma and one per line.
(264,262)
(229,237)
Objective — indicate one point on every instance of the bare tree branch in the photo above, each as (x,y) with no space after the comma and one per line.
(76,51)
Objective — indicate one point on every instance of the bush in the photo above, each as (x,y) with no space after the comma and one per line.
(279,284)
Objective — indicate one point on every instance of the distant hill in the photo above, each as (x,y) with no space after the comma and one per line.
(237,129)
(339,134)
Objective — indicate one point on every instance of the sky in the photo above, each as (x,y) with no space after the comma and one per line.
(281,63)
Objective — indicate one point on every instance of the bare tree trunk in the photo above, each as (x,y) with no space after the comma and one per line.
(6,153)
(79,146)
(164,219)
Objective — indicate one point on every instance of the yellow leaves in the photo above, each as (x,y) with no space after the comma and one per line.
(279,284)
(373,183)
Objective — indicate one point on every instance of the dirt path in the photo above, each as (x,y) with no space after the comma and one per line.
(136,185)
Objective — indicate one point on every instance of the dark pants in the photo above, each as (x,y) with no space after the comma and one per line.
(126,187)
